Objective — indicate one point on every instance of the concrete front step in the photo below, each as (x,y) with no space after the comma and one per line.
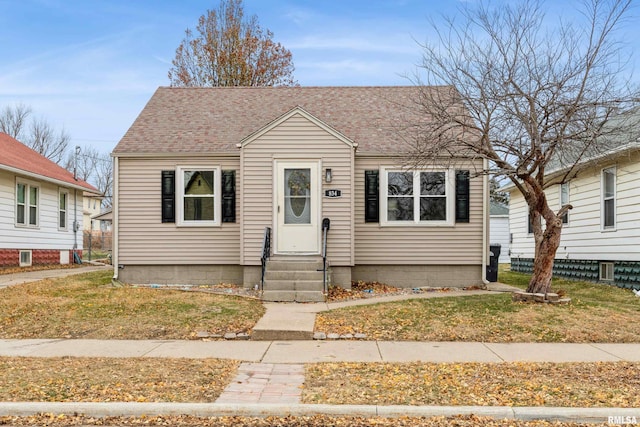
(293,285)
(292,296)
(293,275)
(280,335)
(293,265)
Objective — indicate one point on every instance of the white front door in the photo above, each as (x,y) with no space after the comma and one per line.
(297,207)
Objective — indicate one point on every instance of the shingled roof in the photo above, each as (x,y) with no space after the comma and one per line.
(18,158)
(215,120)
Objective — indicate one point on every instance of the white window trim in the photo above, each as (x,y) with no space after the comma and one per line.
(606,267)
(25,264)
(217,195)
(27,211)
(602,199)
(450,193)
(568,201)
(66,210)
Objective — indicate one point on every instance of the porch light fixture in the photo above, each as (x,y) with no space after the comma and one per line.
(327,175)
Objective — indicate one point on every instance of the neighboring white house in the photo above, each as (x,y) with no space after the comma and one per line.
(499,230)
(40,208)
(600,238)
(91,206)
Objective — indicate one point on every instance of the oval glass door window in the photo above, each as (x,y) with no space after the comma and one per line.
(297,196)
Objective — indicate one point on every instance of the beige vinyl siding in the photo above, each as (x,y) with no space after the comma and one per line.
(144,239)
(46,235)
(584,237)
(417,244)
(296,138)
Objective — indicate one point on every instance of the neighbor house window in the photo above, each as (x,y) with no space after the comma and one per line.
(609,198)
(63,200)
(25,258)
(564,200)
(27,201)
(418,197)
(606,271)
(198,196)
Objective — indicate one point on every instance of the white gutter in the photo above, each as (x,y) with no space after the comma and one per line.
(485,221)
(115,223)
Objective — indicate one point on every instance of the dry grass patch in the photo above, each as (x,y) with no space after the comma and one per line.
(113,380)
(612,384)
(88,306)
(611,315)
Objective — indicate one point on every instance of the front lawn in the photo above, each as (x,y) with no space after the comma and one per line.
(597,313)
(89,306)
(610,384)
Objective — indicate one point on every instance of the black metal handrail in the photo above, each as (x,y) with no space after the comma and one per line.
(266,253)
(326,225)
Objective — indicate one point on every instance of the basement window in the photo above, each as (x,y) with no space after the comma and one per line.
(25,258)
(606,271)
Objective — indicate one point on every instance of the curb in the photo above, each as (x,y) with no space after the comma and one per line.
(135,409)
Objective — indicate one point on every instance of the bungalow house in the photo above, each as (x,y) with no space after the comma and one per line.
(40,208)
(600,238)
(208,180)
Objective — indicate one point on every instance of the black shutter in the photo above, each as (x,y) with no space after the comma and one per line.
(228,196)
(371,196)
(168,196)
(462,196)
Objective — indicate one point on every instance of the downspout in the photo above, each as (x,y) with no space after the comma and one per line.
(115,225)
(485,220)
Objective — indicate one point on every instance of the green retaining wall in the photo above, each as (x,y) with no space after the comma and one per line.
(626,274)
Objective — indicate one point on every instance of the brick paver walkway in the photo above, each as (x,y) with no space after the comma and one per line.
(265,383)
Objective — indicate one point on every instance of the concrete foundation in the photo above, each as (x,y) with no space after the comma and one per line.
(181,274)
(403,276)
(415,276)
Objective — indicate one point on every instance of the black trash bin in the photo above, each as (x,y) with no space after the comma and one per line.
(492,268)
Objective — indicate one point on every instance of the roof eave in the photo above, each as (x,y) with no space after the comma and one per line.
(59,182)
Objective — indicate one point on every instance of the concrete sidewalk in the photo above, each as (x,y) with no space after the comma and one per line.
(325,351)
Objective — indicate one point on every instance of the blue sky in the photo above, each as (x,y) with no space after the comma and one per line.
(89,66)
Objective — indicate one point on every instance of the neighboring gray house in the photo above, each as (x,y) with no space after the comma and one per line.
(279,161)
(499,229)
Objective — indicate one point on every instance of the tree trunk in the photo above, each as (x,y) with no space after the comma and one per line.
(545,253)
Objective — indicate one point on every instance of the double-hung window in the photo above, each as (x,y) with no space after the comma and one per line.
(198,196)
(63,208)
(417,197)
(27,204)
(609,198)
(564,200)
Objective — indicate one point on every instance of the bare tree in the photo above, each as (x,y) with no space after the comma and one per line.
(103,178)
(538,99)
(95,168)
(46,141)
(13,120)
(84,162)
(35,133)
(230,50)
